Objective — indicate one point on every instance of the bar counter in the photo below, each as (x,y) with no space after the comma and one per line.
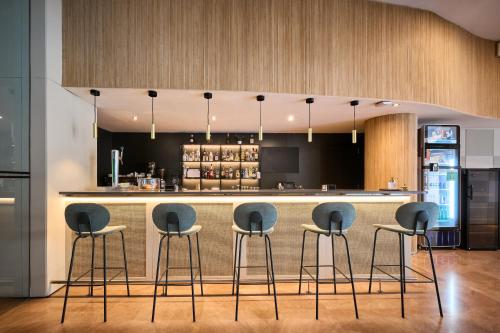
(215,215)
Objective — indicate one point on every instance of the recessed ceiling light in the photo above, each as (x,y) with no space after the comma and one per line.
(135,118)
(291,117)
(214,118)
(387,103)
(1,117)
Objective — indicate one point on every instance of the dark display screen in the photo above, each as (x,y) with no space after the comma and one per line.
(280,159)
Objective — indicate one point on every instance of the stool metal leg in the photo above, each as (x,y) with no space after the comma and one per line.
(105,296)
(125,263)
(68,281)
(434,275)
(157,276)
(351,276)
(192,277)
(199,263)
(267,269)
(373,260)
(317,274)
(238,277)
(302,261)
(165,286)
(333,263)
(401,277)
(92,268)
(404,261)
(272,275)
(234,265)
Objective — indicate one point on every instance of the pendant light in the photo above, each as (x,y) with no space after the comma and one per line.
(260,99)
(208,97)
(309,101)
(95,93)
(152,94)
(354,134)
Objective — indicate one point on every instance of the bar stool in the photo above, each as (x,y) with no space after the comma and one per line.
(413,218)
(330,219)
(254,219)
(91,220)
(176,220)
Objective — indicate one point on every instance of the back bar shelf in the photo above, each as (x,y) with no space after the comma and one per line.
(230,167)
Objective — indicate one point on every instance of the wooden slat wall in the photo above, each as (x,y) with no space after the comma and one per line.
(391,151)
(321,47)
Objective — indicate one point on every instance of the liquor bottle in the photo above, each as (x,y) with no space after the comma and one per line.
(216,156)
(256,154)
(211,172)
(210,157)
(230,172)
(198,154)
(184,157)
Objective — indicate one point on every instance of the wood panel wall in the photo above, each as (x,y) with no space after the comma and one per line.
(391,151)
(319,47)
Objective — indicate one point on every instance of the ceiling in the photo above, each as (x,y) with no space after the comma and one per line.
(480,17)
(186,111)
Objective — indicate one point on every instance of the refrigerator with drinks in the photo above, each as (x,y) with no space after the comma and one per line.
(439,157)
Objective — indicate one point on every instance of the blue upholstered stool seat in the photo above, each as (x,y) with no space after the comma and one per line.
(399,229)
(247,232)
(106,230)
(191,231)
(314,228)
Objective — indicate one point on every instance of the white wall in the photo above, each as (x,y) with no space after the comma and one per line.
(480,148)
(66,152)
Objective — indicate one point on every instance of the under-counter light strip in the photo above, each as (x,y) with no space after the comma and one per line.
(237,199)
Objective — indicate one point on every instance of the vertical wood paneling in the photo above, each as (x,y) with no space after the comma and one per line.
(391,151)
(321,47)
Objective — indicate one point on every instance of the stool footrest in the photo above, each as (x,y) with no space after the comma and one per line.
(304,268)
(398,279)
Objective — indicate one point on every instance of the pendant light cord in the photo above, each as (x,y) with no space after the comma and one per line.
(208,111)
(309,115)
(354,119)
(152,111)
(260,113)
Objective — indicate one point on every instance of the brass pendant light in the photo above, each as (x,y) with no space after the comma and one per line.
(260,99)
(152,94)
(95,93)
(309,101)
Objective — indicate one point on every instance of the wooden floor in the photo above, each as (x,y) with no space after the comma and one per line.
(470,291)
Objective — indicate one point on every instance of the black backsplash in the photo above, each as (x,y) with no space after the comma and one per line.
(329,159)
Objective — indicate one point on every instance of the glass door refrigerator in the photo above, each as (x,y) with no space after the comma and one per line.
(440,179)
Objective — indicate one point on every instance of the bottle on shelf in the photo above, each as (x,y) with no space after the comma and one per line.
(210,157)
(256,154)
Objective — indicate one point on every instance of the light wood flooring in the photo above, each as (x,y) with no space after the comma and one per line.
(470,292)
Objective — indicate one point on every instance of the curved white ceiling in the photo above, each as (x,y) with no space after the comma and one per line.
(480,17)
(238,111)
